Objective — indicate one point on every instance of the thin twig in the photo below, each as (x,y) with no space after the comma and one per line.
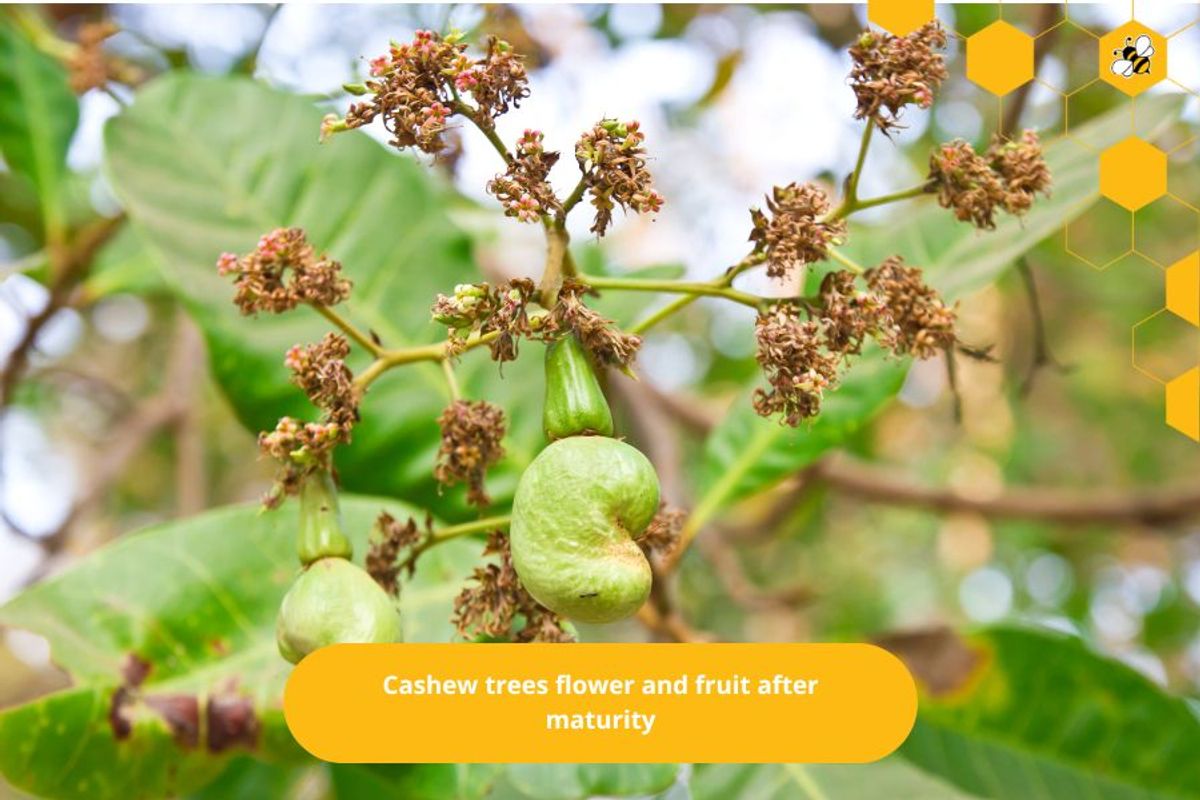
(1042,357)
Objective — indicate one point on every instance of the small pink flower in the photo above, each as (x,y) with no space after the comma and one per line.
(526,209)
(227,264)
(466,81)
(270,244)
(294,360)
(379,66)
(435,114)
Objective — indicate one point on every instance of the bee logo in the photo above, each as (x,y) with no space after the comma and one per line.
(1134,57)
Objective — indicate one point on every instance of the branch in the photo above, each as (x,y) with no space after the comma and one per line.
(68,267)
(1066,506)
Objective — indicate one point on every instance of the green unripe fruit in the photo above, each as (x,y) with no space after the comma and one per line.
(320,533)
(574,404)
(334,601)
(578,509)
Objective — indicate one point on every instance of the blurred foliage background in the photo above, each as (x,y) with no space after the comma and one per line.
(113,418)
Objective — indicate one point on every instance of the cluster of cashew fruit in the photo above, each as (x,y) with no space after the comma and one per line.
(579,508)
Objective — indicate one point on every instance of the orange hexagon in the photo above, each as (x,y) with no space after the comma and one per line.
(1133,173)
(900,17)
(1183,403)
(1133,58)
(1183,288)
(1000,58)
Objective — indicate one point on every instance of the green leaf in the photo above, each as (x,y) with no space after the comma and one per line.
(1036,714)
(746,454)
(578,781)
(38,114)
(205,165)
(892,778)
(414,781)
(195,600)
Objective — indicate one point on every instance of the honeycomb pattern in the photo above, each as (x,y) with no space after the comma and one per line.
(1133,173)
(1122,62)
(1000,58)
(899,17)
(1146,203)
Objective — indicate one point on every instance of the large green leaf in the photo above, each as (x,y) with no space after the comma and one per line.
(205,165)
(38,114)
(746,454)
(580,781)
(1030,714)
(194,602)
(891,778)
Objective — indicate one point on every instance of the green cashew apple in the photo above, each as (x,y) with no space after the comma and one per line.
(574,402)
(579,507)
(334,601)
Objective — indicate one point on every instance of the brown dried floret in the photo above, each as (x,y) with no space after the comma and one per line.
(1021,167)
(89,67)
(301,449)
(795,233)
(613,163)
(661,536)
(320,371)
(283,272)
(849,314)
(497,81)
(471,436)
(490,604)
(383,555)
(966,183)
(607,343)
(795,364)
(891,72)
(924,325)
(523,190)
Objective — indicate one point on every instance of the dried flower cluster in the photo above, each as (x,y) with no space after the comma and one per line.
(391,537)
(483,309)
(661,536)
(796,232)
(89,67)
(283,272)
(300,448)
(613,162)
(801,357)
(524,190)
(1005,178)
(504,310)
(320,371)
(607,343)
(922,324)
(491,604)
(471,436)
(891,72)
(416,87)
(797,367)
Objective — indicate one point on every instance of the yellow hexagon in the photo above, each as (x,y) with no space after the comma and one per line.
(1133,173)
(900,17)
(1183,288)
(1133,58)
(1183,403)
(1000,58)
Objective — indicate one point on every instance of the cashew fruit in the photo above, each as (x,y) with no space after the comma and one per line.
(574,403)
(579,506)
(320,534)
(334,601)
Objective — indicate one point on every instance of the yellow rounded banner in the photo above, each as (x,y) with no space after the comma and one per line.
(601,703)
